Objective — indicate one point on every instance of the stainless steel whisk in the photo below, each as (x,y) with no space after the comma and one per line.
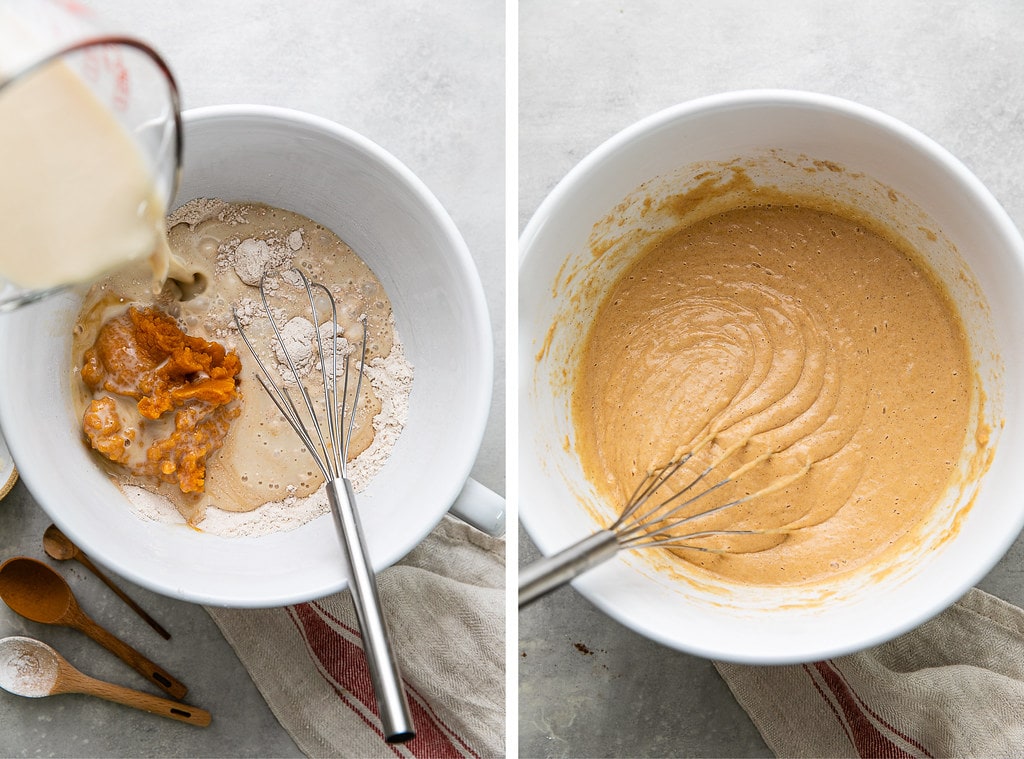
(648,521)
(327,437)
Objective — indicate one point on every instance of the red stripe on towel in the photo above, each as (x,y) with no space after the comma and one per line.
(332,647)
(867,739)
(410,690)
(828,701)
(344,666)
(880,719)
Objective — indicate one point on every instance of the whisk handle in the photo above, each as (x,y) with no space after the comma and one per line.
(551,572)
(380,658)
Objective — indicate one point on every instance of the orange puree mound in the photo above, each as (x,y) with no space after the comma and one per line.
(143,355)
(103,427)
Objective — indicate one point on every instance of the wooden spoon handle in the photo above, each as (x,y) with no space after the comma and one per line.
(87,563)
(139,700)
(152,672)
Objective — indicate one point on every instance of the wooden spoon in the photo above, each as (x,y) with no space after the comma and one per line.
(31,668)
(37,592)
(59,546)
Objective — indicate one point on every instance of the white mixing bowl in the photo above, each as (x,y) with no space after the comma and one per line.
(353,187)
(807,144)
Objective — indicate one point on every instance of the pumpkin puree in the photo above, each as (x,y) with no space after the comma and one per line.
(185,392)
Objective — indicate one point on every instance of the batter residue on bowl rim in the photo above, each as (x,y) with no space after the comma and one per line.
(261,479)
(797,341)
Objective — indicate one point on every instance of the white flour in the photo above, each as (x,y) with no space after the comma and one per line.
(26,670)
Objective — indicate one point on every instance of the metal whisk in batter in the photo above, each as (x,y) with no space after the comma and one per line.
(326,435)
(651,519)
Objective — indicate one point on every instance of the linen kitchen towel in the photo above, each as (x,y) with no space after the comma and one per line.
(953,687)
(444,605)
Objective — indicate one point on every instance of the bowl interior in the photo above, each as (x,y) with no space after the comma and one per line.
(390,219)
(806,145)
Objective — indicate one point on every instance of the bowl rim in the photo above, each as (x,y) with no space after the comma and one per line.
(477,403)
(590,585)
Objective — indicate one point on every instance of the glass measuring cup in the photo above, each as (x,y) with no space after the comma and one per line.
(90,142)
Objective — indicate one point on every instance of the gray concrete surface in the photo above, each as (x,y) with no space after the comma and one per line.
(424,81)
(588,686)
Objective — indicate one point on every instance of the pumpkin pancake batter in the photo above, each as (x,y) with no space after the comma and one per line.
(797,343)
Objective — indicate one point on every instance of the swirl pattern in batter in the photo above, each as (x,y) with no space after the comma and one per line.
(809,355)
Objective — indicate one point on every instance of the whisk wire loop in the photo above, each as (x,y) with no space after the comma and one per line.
(324,452)
(281,398)
(330,379)
(669,471)
(648,520)
(647,487)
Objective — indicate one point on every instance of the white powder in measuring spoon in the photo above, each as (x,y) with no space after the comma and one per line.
(27,667)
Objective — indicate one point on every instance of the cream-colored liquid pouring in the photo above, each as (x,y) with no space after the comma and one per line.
(77,196)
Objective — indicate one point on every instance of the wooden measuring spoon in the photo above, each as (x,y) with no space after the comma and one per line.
(59,546)
(37,592)
(31,668)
